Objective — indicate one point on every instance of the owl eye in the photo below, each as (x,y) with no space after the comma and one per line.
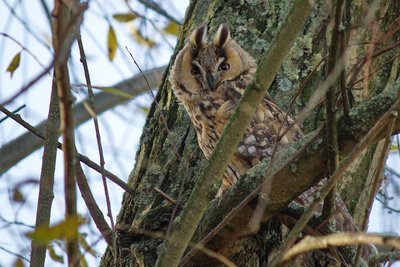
(224,66)
(195,71)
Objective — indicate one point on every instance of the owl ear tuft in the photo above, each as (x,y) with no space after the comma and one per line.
(222,36)
(199,36)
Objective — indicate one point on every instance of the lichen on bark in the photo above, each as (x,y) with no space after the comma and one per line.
(253,24)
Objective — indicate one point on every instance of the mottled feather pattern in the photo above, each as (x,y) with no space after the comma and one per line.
(209,79)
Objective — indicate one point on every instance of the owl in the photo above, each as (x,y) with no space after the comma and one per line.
(208,79)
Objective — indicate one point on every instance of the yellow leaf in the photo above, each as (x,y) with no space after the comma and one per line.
(138,36)
(83,262)
(14,64)
(394,148)
(111,43)
(19,263)
(63,230)
(144,109)
(124,17)
(53,254)
(172,28)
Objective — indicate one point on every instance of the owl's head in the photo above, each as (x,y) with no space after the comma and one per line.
(201,67)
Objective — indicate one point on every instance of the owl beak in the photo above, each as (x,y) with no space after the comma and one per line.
(212,81)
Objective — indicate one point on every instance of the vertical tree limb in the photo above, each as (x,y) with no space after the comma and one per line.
(330,109)
(45,199)
(206,186)
(67,20)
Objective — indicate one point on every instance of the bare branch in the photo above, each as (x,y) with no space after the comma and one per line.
(81,157)
(339,239)
(46,194)
(64,27)
(96,126)
(19,148)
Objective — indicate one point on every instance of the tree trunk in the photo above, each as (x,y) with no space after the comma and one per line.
(168,130)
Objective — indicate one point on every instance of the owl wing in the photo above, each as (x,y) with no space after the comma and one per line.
(265,129)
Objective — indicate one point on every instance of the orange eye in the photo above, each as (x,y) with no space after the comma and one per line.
(224,66)
(195,71)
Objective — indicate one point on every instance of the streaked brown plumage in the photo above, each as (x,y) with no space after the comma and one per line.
(209,79)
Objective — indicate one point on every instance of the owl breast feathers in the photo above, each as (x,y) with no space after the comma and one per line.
(209,78)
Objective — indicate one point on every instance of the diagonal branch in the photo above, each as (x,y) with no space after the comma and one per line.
(309,164)
(25,144)
(206,187)
(88,162)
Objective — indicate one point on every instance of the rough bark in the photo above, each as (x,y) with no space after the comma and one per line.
(253,25)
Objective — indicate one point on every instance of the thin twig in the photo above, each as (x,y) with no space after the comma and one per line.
(26,143)
(302,222)
(96,126)
(14,111)
(94,210)
(376,182)
(156,8)
(175,149)
(157,105)
(29,85)
(384,257)
(247,200)
(15,254)
(259,210)
(63,37)
(25,49)
(342,76)
(81,157)
(332,149)
(165,196)
(212,254)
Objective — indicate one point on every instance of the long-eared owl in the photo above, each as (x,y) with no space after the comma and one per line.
(209,78)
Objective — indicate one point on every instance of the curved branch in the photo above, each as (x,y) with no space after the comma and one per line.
(337,240)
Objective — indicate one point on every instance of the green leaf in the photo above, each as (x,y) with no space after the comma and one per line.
(14,64)
(63,230)
(172,28)
(124,17)
(111,43)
